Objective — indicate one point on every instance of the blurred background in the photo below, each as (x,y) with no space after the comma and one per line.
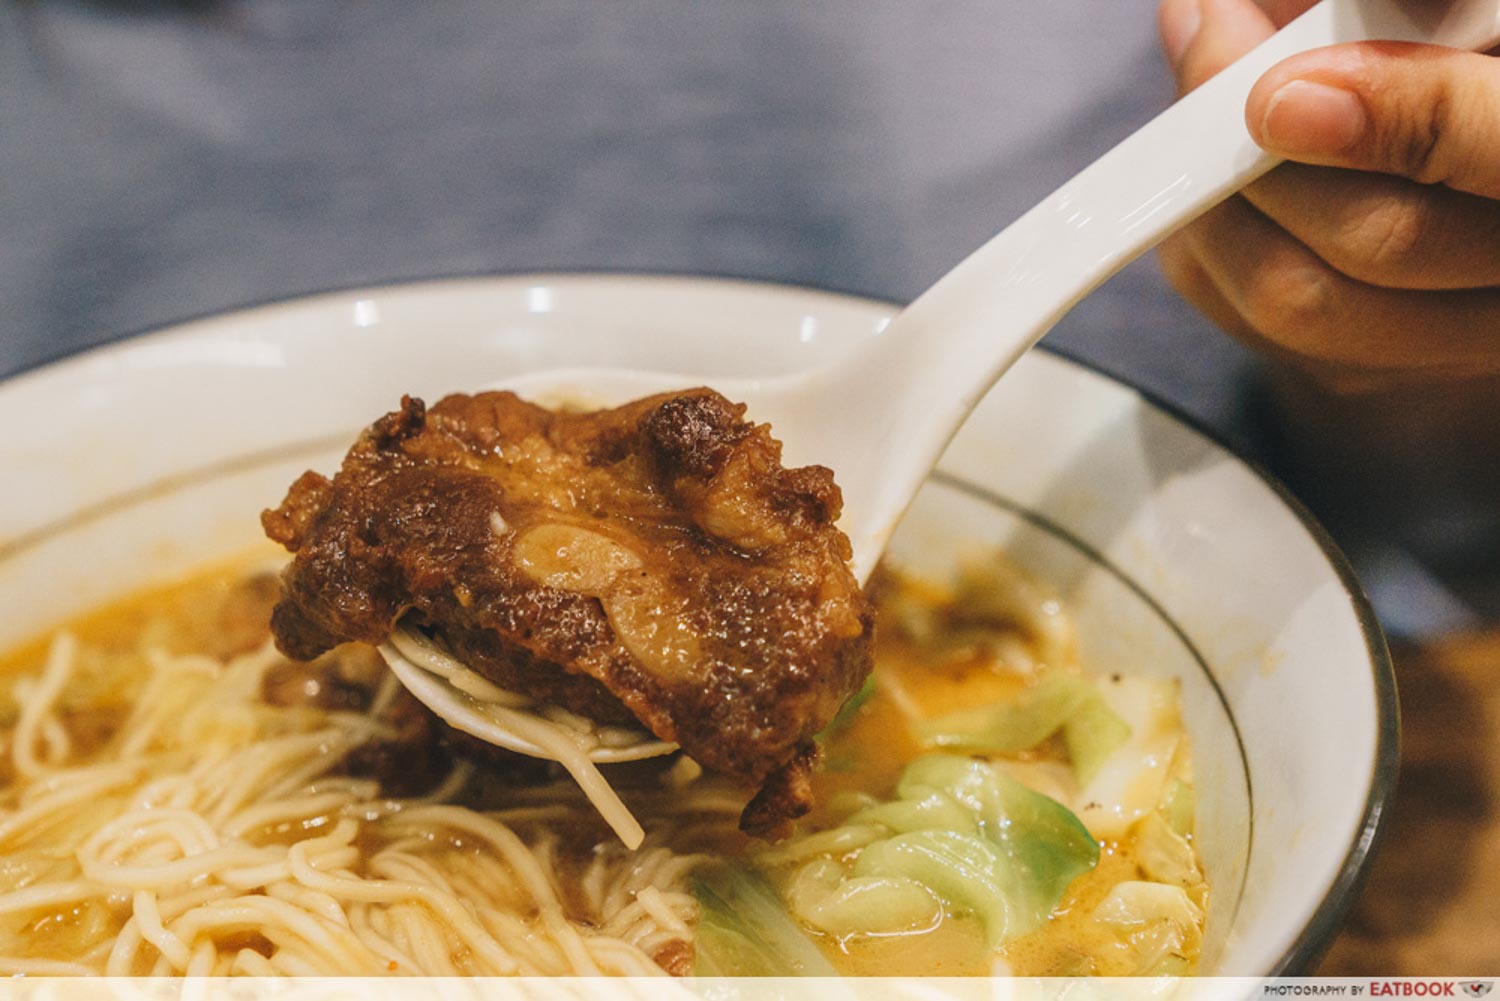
(162,160)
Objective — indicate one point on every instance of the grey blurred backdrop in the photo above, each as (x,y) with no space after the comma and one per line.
(160,160)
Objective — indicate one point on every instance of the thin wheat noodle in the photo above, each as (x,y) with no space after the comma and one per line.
(180,903)
(348,785)
(186,829)
(502,838)
(376,934)
(67,781)
(173,873)
(250,963)
(148,920)
(56,741)
(446,906)
(312,901)
(425,946)
(552,731)
(37,708)
(178,834)
(259,875)
(271,918)
(564,748)
(655,903)
(526,865)
(398,867)
(202,963)
(263,815)
(426,655)
(33,897)
(121,959)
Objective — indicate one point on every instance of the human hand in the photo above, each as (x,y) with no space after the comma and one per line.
(1374,260)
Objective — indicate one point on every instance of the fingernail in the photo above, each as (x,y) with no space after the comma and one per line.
(1179,26)
(1305,118)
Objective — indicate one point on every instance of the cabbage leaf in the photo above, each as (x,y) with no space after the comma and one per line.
(959,831)
(1013,725)
(745,931)
(1132,780)
(1057,701)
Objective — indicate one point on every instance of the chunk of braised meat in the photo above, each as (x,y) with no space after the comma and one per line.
(676,957)
(242,620)
(786,795)
(410,762)
(343,678)
(653,562)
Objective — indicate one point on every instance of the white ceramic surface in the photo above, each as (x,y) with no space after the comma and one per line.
(139,462)
(904,395)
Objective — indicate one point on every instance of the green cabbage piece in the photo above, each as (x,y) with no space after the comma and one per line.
(1092,734)
(1014,725)
(924,810)
(745,931)
(1178,807)
(840,840)
(1057,701)
(1160,923)
(1163,855)
(963,870)
(875,905)
(967,834)
(1043,845)
(1136,903)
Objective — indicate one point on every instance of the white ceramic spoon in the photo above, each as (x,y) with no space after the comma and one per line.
(882,415)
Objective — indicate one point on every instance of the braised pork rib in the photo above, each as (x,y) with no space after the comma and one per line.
(653,562)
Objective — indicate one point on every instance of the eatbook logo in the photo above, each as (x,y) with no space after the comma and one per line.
(1477,988)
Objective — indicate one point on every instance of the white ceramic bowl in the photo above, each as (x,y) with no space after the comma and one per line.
(138,462)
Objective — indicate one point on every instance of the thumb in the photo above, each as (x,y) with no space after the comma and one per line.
(1419,111)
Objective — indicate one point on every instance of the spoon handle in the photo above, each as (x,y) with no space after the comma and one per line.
(1188,159)
(947,348)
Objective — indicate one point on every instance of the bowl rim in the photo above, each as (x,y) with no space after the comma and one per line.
(1328,917)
